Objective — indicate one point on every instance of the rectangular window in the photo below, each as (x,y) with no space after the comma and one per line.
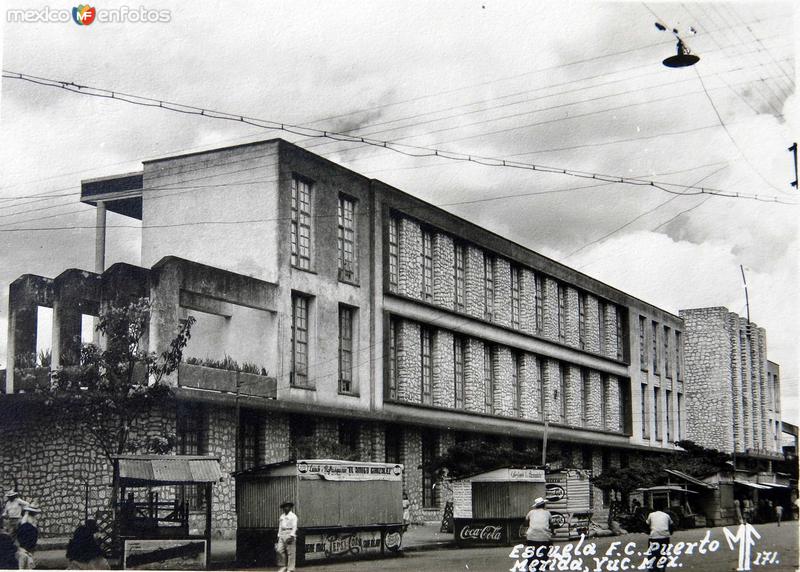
(585,396)
(428,453)
(543,401)
(667,354)
(562,313)
(604,401)
(426,261)
(654,345)
(562,392)
(657,411)
(488,378)
(582,320)
(301,223)
(623,400)
(679,355)
(643,343)
(667,407)
(394,444)
(348,435)
(247,451)
(538,294)
(458,371)
(620,334)
(601,325)
(515,306)
(394,254)
(346,349)
(346,240)
(299,340)
(426,348)
(516,386)
(488,285)
(679,415)
(392,382)
(192,439)
(459,258)
(645,414)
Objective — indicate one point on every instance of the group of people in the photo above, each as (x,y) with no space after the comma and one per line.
(747,511)
(20,533)
(539,535)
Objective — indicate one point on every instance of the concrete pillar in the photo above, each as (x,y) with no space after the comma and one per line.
(100,238)
(165,310)
(25,294)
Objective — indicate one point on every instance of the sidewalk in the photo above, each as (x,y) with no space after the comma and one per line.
(51,552)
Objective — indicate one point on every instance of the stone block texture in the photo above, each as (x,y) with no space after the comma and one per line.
(444,281)
(443,369)
(409,362)
(474,283)
(502,292)
(410,270)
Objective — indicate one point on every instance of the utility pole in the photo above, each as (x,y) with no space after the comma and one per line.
(793,149)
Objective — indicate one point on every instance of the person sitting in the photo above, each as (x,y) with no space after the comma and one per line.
(83,551)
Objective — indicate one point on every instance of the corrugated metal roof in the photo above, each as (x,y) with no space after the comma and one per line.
(690,479)
(168,469)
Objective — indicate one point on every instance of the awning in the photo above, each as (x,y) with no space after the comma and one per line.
(149,470)
(690,479)
(752,485)
(775,485)
(666,488)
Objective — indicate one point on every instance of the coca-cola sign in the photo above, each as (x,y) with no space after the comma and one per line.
(481,532)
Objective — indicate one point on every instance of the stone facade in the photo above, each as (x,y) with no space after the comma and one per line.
(409,362)
(444,282)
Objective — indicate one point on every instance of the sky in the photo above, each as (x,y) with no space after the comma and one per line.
(572,85)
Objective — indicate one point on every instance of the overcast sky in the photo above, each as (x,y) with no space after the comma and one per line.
(573,85)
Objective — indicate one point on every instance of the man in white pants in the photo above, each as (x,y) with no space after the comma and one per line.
(287,538)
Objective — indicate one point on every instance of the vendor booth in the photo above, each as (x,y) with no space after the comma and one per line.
(345,509)
(152,498)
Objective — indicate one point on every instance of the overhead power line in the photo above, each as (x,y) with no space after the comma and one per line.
(405,149)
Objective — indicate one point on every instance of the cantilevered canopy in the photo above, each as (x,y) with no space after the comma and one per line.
(690,479)
(156,470)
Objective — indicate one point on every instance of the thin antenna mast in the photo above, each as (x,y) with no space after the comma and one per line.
(746,298)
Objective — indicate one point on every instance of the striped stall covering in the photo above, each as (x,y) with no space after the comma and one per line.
(568,492)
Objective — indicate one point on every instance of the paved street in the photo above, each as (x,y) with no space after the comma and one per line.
(782,540)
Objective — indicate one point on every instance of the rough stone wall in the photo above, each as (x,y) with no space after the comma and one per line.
(410,270)
(611,331)
(444,280)
(612,404)
(443,369)
(411,444)
(527,301)
(503,387)
(763,394)
(747,387)
(275,441)
(597,469)
(531,394)
(574,401)
(474,388)
(550,301)
(595,409)
(709,407)
(502,292)
(474,283)
(573,339)
(409,366)
(736,382)
(222,443)
(592,335)
(552,384)
(378,443)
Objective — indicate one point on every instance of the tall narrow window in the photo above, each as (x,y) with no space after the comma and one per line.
(516,386)
(562,392)
(667,353)
(426,261)
(192,439)
(394,445)
(562,313)
(392,381)
(654,345)
(582,320)
(604,401)
(622,403)
(425,360)
(345,349)
(585,396)
(346,239)
(645,414)
(620,335)
(538,294)
(678,355)
(394,254)
(643,343)
(301,223)
(458,371)
(515,304)
(428,453)
(459,257)
(299,340)
(657,411)
(601,325)
(679,415)
(349,433)
(667,407)
(543,401)
(250,430)
(488,285)
(488,378)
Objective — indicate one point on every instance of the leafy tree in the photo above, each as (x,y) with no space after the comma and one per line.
(322,447)
(471,457)
(115,387)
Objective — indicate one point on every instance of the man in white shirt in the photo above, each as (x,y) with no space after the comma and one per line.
(660,530)
(539,536)
(287,538)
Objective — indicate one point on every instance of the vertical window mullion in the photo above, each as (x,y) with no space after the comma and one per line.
(345,349)
(488,377)
(394,254)
(539,301)
(299,340)
(458,265)
(458,371)
(515,303)
(425,349)
(392,359)
(488,282)
(427,265)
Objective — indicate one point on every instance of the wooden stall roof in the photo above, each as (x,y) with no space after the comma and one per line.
(690,479)
(154,470)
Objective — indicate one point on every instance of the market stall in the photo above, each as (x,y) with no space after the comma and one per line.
(345,509)
(151,513)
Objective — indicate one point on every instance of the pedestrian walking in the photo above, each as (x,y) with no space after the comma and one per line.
(12,511)
(539,535)
(28,537)
(287,538)
(83,550)
(778,513)
(406,511)
(661,526)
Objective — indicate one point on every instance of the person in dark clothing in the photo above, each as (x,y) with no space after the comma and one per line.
(83,551)
(8,552)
